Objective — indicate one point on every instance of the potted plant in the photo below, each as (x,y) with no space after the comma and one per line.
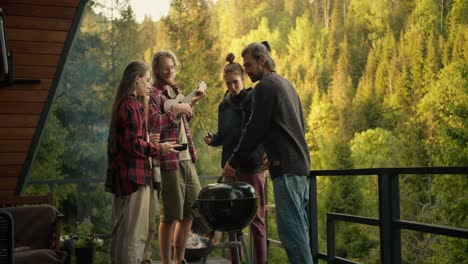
(66,244)
(84,241)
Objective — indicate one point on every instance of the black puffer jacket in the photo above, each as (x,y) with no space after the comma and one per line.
(233,114)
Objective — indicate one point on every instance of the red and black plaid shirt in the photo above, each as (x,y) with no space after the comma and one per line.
(165,124)
(130,167)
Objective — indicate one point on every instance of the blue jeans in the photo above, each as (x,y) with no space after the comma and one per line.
(291,197)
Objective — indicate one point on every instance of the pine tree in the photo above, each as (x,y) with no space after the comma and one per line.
(431,64)
(385,59)
(341,92)
(336,32)
(147,38)
(367,104)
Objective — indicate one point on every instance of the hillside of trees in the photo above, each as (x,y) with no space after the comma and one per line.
(382,84)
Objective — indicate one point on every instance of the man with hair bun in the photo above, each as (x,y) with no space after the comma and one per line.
(277,123)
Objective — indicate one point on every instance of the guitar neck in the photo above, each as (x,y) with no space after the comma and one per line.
(180,98)
(188,99)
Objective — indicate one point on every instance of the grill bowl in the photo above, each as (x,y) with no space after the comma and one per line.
(196,254)
(227,206)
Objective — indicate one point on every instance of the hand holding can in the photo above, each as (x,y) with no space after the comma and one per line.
(154,137)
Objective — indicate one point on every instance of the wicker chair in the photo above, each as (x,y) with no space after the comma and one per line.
(36,229)
(6,238)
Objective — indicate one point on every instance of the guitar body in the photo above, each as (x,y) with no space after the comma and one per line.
(180,98)
(170,102)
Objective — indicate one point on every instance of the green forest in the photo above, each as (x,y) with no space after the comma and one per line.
(382,84)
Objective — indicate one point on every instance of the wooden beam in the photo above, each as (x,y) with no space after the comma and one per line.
(19,120)
(38,23)
(35,47)
(43,85)
(6,192)
(33,72)
(37,35)
(17,133)
(16,145)
(64,3)
(23,96)
(14,9)
(12,158)
(36,59)
(8,183)
(10,171)
(18,108)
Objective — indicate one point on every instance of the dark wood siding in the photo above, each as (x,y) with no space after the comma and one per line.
(37,32)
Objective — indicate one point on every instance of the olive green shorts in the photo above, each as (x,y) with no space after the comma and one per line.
(179,191)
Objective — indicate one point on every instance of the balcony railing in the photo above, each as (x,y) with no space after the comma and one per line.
(388,222)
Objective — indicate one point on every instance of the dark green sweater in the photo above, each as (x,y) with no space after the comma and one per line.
(276,122)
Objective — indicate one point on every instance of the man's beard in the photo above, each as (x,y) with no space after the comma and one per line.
(165,81)
(257,76)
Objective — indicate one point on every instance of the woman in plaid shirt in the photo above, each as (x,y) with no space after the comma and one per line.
(129,171)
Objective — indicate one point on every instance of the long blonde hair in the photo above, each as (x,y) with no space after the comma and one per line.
(127,85)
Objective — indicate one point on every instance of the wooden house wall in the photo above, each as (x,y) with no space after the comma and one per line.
(36,32)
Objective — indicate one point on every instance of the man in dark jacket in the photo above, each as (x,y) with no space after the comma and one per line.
(277,122)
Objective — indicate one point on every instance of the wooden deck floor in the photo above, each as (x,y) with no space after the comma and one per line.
(213,260)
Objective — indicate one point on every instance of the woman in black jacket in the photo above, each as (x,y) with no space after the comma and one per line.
(233,114)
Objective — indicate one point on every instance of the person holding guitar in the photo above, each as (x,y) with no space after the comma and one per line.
(169,114)
(233,114)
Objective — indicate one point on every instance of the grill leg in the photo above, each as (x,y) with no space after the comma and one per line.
(237,247)
(209,243)
(246,253)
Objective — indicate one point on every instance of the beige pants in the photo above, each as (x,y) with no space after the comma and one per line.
(134,227)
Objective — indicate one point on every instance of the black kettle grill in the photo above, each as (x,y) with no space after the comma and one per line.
(227,207)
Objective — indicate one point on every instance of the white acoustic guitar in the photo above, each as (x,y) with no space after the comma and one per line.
(180,98)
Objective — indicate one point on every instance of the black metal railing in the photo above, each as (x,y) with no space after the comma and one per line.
(388,222)
(84,186)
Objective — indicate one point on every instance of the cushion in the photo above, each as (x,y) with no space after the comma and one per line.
(40,256)
(34,226)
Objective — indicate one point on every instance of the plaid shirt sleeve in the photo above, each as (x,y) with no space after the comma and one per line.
(130,166)
(157,120)
(134,132)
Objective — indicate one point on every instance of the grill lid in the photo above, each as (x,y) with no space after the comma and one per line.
(227,191)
